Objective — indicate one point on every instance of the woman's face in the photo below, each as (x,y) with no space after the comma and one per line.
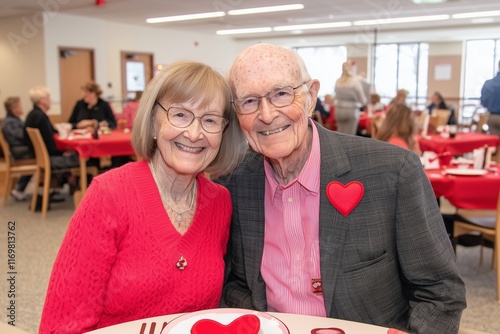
(89,97)
(17,110)
(189,150)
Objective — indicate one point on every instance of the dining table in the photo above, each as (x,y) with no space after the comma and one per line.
(466,188)
(270,323)
(463,142)
(113,143)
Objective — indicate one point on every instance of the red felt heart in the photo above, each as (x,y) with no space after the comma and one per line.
(345,197)
(246,324)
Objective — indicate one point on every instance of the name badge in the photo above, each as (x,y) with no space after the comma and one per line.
(317,287)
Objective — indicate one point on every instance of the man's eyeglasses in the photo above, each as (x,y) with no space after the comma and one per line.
(278,97)
(182,118)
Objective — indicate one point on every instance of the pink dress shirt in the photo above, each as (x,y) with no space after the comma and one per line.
(290,261)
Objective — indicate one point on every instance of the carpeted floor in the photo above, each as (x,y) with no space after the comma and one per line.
(37,242)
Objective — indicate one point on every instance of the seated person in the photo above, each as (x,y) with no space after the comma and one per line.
(437,102)
(130,109)
(375,103)
(13,130)
(92,110)
(400,97)
(37,118)
(399,128)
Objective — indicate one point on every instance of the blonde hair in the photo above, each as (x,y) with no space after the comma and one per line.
(11,102)
(182,82)
(399,122)
(37,93)
(346,72)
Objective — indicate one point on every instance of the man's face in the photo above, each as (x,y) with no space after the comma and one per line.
(276,132)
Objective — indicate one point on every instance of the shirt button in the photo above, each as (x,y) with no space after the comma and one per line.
(290,200)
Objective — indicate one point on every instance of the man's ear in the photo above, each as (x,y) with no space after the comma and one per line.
(313,86)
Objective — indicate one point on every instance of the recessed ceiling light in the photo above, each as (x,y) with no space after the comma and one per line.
(268,9)
(185,17)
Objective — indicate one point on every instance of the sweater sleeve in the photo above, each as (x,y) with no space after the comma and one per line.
(109,116)
(77,286)
(73,119)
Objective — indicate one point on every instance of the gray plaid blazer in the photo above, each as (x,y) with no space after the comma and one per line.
(389,262)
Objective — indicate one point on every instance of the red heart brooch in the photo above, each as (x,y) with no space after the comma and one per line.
(345,197)
(247,324)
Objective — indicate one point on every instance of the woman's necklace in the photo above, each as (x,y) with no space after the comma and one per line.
(179,214)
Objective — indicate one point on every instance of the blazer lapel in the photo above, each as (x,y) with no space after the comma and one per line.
(251,211)
(333,226)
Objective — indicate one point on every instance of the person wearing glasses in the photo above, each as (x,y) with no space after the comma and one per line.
(328,224)
(149,237)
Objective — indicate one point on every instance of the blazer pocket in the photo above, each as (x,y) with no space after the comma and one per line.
(365,264)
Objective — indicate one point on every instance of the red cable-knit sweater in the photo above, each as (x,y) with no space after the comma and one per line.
(117,262)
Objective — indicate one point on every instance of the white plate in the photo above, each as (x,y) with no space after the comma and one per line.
(466,172)
(183,324)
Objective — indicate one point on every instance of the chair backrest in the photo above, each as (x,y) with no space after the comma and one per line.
(482,120)
(41,153)
(376,124)
(439,117)
(5,149)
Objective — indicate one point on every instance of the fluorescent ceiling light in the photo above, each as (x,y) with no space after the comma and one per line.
(185,17)
(265,9)
(313,26)
(402,20)
(243,31)
(419,2)
(476,14)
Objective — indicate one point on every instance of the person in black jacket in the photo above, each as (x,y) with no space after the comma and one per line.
(437,102)
(92,110)
(13,130)
(37,118)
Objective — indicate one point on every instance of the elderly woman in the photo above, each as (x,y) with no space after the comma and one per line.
(149,237)
(13,130)
(91,110)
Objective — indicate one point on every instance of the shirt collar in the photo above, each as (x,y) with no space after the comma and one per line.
(309,177)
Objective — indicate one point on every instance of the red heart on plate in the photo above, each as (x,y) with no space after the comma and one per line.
(330,330)
(395,331)
(345,197)
(246,324)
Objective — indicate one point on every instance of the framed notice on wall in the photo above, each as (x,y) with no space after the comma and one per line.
(442,72)
(136,80)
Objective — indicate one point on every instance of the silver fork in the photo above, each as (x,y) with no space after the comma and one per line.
(152,328)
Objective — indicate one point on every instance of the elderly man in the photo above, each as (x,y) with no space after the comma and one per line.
(329,224)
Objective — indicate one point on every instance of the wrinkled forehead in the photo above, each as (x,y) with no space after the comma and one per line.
(261,67)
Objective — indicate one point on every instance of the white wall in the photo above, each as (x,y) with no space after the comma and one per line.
(21,59)
(109,39)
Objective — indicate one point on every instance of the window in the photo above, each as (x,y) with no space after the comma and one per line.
(402,66)
(481,64)
(324,64)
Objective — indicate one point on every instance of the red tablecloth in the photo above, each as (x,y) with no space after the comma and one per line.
(114,144)
(466,192)
(462,143)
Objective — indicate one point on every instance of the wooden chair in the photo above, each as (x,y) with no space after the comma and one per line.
(482,119)
(14,168)
(488,228)
(375,124)
(439,117)
(44,169)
